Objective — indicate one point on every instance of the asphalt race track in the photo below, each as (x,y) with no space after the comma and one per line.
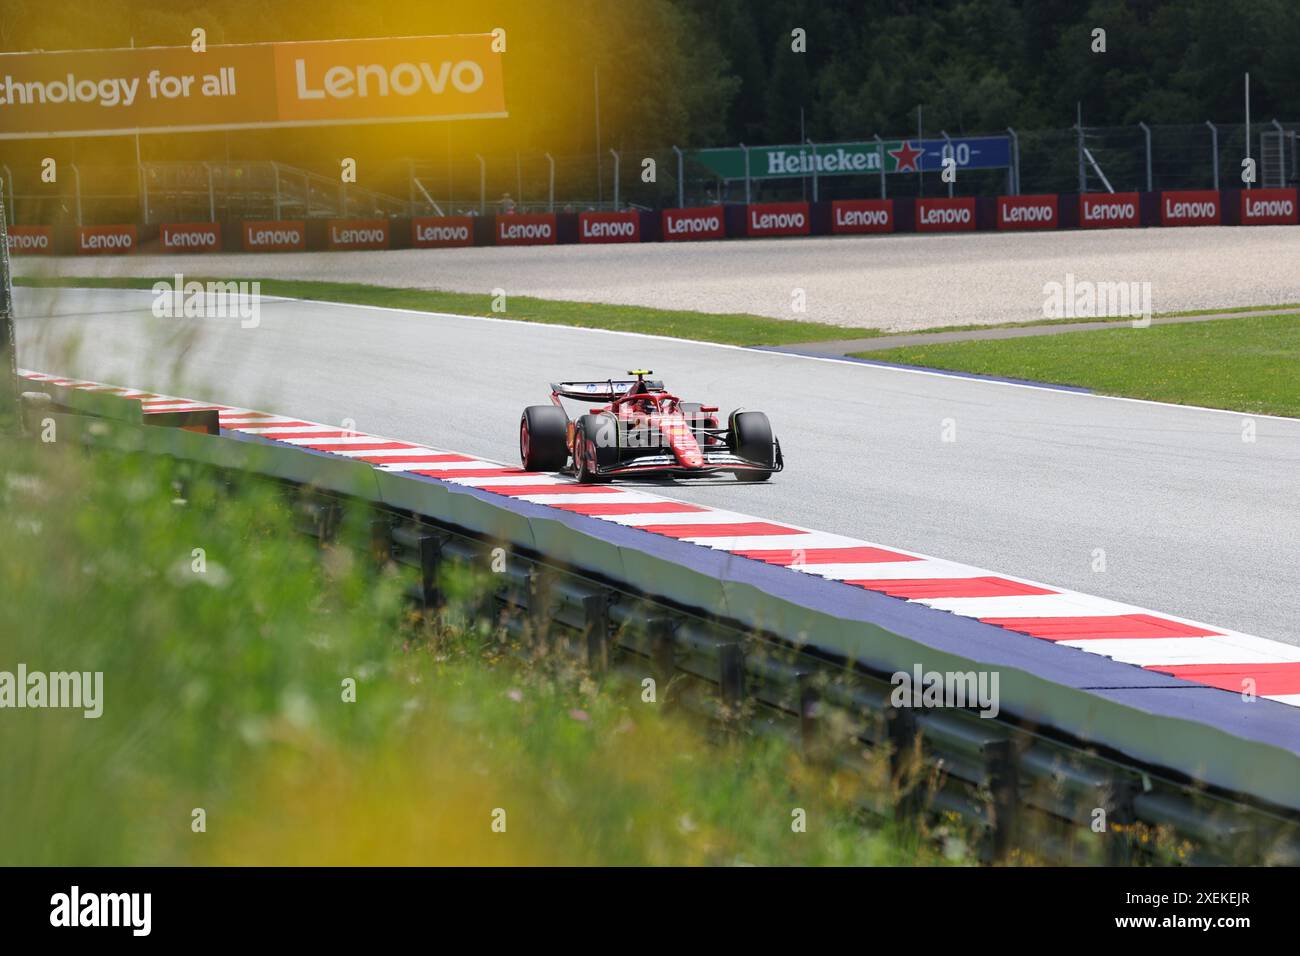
(890,282)
(1192,520)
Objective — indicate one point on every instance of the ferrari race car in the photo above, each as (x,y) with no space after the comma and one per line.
(643,430)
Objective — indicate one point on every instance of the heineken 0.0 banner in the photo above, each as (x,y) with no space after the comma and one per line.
(849,159)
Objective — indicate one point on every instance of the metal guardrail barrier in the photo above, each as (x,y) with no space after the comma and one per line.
(995,774)
(1004,776)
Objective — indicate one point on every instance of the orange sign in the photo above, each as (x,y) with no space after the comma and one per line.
(322,82)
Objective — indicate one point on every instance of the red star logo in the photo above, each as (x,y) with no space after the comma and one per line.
(905,157)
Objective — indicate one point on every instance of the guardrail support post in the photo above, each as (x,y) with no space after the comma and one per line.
(595,626)
(1004,785)
(662,654)
(814,167)
(901,730)
(1119,842)
(430,566)
(731,674)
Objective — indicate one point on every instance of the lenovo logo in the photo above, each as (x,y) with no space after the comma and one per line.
(1026,212)
(432,232)
(94,240)
(778,219)
(1192,208)
(698,223)
(862,215)
(31,240)
(273,236)
(522,230)
(1265,207)
(945,215)
(1109,211)
(198,237)
(347,234)
(609,227)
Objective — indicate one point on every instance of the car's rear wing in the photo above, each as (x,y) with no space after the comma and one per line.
(605,391)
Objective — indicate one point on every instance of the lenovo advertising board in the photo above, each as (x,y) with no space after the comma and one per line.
(241,86)
(609,227)
(1028,212)
(275,235)
(519,229)
(697,222)
(1109,210)
(351,234)
(945,215)
(1268,207)
(439,232)
(777,219)
(851,216)
(190,237)
(105,240)
(31,240)
(1191,207)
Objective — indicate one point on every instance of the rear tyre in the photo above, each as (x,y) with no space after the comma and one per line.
(750,438)
(542,438)
(595,445)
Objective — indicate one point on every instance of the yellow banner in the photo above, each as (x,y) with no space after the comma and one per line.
(174,89)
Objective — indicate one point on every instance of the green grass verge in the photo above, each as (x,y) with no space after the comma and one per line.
(727,329)
(225,638)
(1247,364)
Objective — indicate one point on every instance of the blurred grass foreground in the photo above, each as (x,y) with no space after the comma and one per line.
(264,703)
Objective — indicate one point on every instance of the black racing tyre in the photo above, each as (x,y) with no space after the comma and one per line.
(750,438)
(595,444)
(543,438)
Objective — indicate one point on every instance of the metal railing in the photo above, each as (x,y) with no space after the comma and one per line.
(1136,157)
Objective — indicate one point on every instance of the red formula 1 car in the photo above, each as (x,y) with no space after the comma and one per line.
(643,430)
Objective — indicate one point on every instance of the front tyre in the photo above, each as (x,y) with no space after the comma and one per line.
(750,438)
(595,446)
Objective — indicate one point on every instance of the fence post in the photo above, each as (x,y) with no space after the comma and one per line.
(880,151)
(1214,147)
(951,153)
(745,149)
(275,169)
(76,191)
(550,187)
(681,182)
(814,167)
(1013,171)
(1083,173)
(617,163)
(1146,130)
(482,184)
